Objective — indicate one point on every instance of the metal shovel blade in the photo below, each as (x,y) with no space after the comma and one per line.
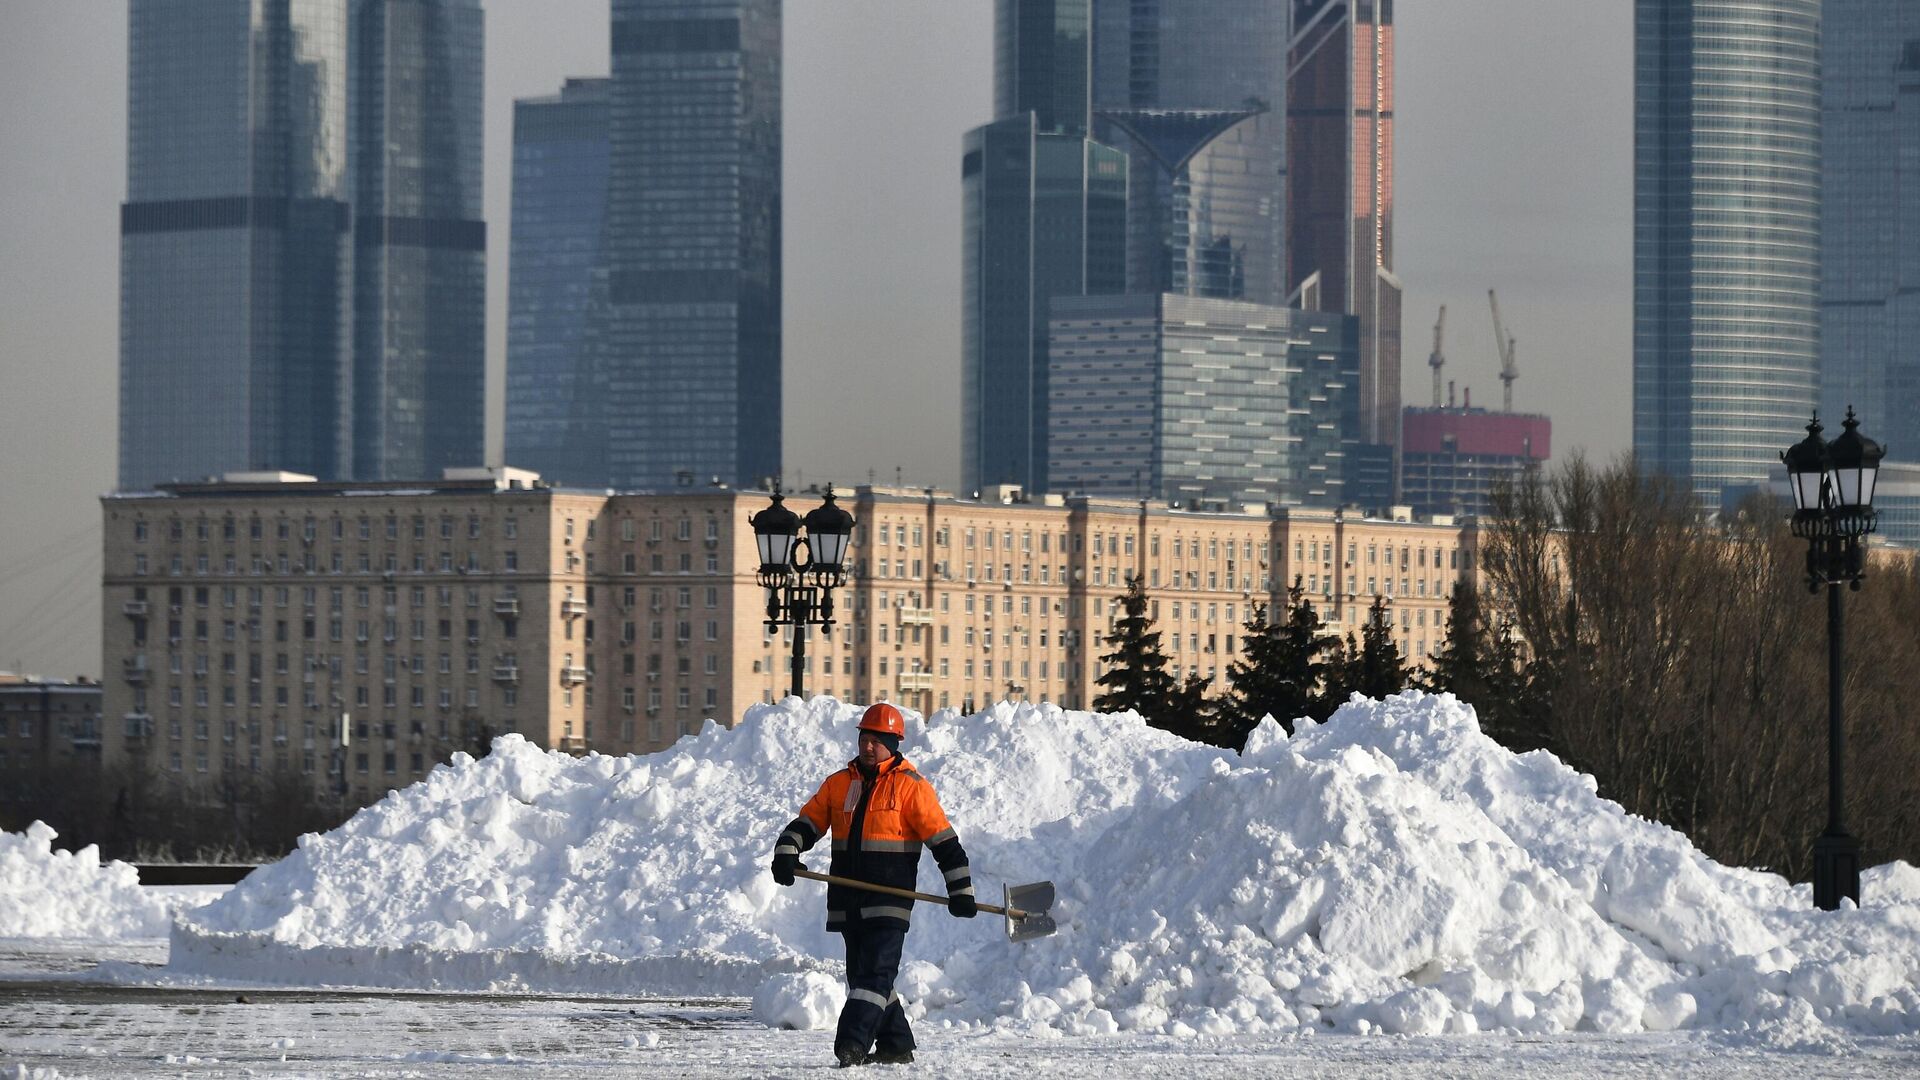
(1027,910)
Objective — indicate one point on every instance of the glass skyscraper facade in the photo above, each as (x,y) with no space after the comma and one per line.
(1202,209)
(302,252)
(1044,215)
(559,212)
(1340,186)
(420,244)
(1194,92)
(684,332)
(1727,199)
(1870,220)
(235,240)
(1199,401)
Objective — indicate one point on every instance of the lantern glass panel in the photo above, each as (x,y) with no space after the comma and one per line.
(1806,490)
(774,548)
(831,548)
(1846,487)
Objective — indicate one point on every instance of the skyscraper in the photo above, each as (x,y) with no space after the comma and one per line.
(235,257)
(1726,236)
(1194,92)
(420,273)
(1870,219)
(685,330)
(1198,400)
(559,211)
(302,256)
(1044,215)
(1340,186)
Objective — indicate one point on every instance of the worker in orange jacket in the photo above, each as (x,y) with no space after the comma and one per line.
(881,812)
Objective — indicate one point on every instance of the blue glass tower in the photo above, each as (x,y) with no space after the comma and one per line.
(684,336)
(420,245)
(1870,221)
(1194,91)
(559,212)
(302,251)
(1726,236)
(1044,215)
(235,241)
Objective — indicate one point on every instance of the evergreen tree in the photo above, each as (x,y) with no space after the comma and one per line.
(1280,671)
(1191,715)
(1136,675)
(1461,666)
(1376,669)
(1489,671)
(1342,674)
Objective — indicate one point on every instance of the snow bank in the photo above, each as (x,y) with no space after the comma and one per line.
(70,894)
(1390,870)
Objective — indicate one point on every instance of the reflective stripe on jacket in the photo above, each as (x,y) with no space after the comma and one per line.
(878,833)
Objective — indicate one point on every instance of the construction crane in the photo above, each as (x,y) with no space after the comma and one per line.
(1437,361)
(1504,346)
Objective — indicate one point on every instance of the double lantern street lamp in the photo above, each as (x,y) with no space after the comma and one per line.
(800,590)
(1832,486)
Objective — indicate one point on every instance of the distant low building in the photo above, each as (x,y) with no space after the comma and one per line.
(44,723)
(1451,459)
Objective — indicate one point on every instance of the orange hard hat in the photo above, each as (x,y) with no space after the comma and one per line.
(883,718)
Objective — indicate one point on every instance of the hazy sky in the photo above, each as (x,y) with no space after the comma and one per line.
(1514,171)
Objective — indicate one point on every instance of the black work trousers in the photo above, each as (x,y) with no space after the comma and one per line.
(873,1014)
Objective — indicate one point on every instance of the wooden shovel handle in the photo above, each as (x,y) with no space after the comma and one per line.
(801,871)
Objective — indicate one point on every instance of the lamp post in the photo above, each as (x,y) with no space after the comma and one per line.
(800,590)
(1832,486)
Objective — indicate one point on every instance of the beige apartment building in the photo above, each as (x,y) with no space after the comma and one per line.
(249,621)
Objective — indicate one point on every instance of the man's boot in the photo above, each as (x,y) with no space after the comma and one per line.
(891,1057)
(847,1054)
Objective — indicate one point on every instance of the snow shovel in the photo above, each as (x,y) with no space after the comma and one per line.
(1025,908)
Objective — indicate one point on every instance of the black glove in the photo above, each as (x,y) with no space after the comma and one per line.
(963,905)
(784,865)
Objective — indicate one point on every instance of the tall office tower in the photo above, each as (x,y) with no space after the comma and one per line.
(685,336)
(1870,218)
(1340,186)
(234,240)
(1044,215)
(1194,92)
(420,273)
(1726,236)
(1202,401)
(559,210)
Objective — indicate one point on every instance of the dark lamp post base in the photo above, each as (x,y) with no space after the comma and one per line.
(1836,870)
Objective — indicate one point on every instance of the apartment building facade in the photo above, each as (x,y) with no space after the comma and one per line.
(247,622)
(45,724)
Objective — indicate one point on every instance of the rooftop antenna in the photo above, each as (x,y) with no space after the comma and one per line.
(1437,361)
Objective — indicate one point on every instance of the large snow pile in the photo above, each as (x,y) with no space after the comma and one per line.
(70,894)
(1392,869)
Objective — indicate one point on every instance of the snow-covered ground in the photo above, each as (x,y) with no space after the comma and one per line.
(1390,889)
(297,1033)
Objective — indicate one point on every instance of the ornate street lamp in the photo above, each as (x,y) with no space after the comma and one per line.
(1832,486)
(800,589)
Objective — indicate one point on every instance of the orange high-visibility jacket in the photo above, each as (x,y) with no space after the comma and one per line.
(878,832)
